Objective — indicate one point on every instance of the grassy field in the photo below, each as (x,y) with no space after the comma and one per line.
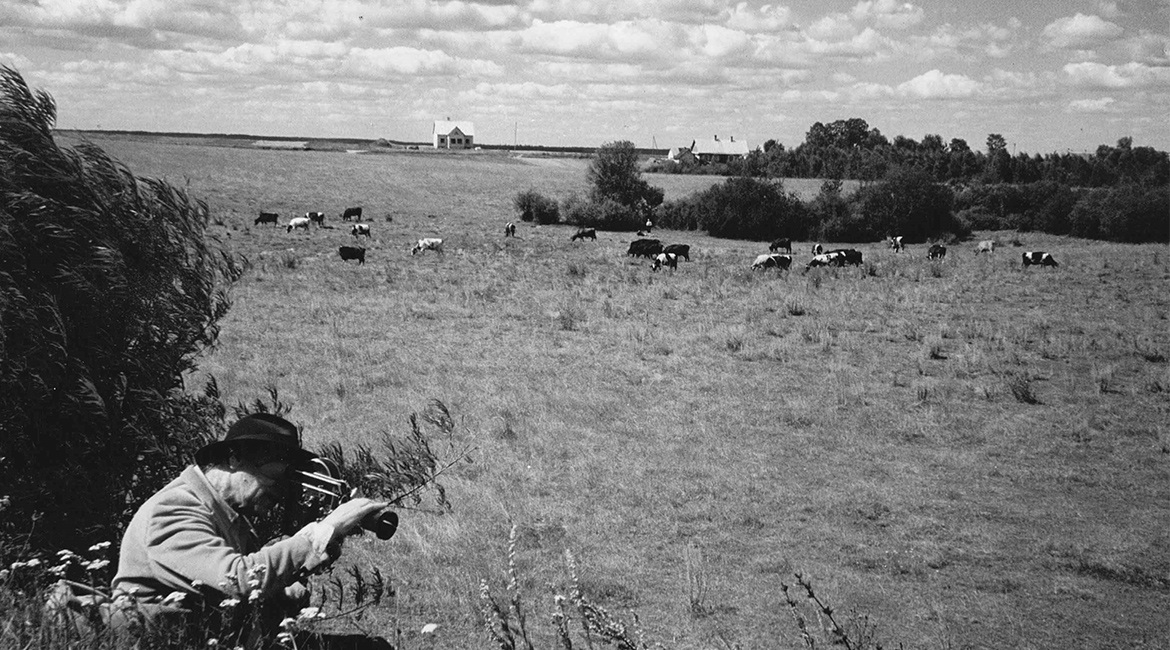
(970,454)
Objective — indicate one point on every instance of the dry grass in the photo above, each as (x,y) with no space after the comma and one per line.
(860,426)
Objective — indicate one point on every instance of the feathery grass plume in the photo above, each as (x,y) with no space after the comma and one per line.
(836,634)
(696,574)
(596,620)
(112,287)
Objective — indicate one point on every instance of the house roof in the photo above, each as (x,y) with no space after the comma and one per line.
(444,127)
(720,147)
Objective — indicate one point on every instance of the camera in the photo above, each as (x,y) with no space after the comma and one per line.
(319,488)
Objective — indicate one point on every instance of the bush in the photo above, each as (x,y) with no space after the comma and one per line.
(747,208)
(534,206)
(111,288)
(614,175)
(1128,214)
(907,203)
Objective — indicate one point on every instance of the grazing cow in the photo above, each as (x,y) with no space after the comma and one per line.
(428,244)
(360,229)
(316,217)
(785,244)
(681,250)
(772,261)
(985,246)
(267,217)
(352,213)
(895,243)
(509,229)
(298,223)
(936,252)
(647,248)
(585,233)
(352,253)
(846,256)
(1039,258)
(817,249)
(665,259)
(832,258)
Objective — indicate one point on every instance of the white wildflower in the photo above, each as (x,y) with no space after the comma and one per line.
(100,546)
(254,595)
(173,598)
(430,628)
(310,613)
(229,602)
(96,565)
(287,623)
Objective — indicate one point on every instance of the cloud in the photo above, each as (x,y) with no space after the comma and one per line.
(1131,75)
(888,14)
(1102,105)
(768,18)
(936,85)
(1080,32)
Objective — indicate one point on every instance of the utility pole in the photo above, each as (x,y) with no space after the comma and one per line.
(515,135)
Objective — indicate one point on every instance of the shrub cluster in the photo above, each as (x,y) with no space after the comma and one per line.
(534,206)
(111,286)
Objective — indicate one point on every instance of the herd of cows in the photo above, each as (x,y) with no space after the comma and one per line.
(652,249)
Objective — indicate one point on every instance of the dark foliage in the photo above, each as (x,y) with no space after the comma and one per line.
(740,208)
(906,203)
(534,206)
(1127,214)
(614,174)
(109,287)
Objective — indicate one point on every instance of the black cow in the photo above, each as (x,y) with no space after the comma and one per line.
(936,252)
(1039,258)
(681,250)
(316,217)
(647,248)
(351,213)
(585,233)
(267,217)
(352,253)
(785,244)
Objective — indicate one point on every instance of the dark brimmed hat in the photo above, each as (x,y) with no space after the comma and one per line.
(260,427)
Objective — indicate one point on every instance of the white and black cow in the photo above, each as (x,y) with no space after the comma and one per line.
(428,244)
(585,233)
(351,213)
(985,246)
(665,259)
(509,229)
(359,229)
(817,249)
(936,252)
(316,217)
(832,258)
(772,261)
(298,223)
(267,217)
(681,250)
(352,253)
(896,244)
(784,244)
(1039,258)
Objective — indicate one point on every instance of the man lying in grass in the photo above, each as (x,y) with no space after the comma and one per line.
(190,561)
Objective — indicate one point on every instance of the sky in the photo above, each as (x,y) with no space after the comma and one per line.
(1048,75)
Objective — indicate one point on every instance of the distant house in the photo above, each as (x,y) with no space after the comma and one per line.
(719,151)
(682,155)
(453,135)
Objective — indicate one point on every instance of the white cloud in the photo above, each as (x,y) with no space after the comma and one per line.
(1102,105)
(1130,75)
(768,18)
(936,85)
(887,13)
(1080,32)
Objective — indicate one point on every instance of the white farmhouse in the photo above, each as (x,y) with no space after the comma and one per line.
(453,135)
(719,151)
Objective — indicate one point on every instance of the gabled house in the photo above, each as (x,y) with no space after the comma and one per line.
(719,151)
(453,135)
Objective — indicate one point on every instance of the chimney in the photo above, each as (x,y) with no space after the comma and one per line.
(733,138)
(716,137)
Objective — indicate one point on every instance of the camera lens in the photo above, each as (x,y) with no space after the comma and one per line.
(383,525)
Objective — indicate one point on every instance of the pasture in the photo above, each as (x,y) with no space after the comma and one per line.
(970,453)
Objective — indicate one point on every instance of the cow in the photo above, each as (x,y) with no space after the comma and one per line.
(316,217)
(647,248)
(352,213)
(784,243)
(352,253)
(895,243)
(936,252)
(267,217)
(509,229)
(428,244)
(680,250)
(846,256)
(359,229)
(585,233)
(665,259)
(817,249)
(298,223)
(1039,258)
(831,258)
(772,261)
(985,246)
